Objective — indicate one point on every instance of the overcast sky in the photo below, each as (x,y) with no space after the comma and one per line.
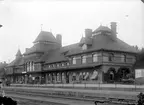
(22,19)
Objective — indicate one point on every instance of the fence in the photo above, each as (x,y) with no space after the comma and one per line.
(88,86)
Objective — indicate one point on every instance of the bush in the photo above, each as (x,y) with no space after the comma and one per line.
(7,101)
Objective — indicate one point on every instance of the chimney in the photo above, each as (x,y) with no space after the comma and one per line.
(88,33)
(113,28)
(59,39)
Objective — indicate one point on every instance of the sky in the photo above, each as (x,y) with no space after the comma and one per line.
(22,19)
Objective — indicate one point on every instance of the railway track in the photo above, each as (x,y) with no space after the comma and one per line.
(91,99)
(24,101)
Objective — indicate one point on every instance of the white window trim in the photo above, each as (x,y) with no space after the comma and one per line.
(84,57)
(74,60)
(95,57)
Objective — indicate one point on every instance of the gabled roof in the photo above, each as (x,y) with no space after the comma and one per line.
(18,53)
(35,48)
(45,37)
(82,41)
(53,56)
(85,40)
(102,28)
(17,62)
(105,42)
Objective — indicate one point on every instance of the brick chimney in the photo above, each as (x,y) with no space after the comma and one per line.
(114,29)
(59,39)
(88,33)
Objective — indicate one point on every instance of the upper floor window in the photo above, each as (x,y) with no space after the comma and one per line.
(123,58)
(74,60)
(58,65)
(84,59)
(67,63)
(95,57)
(111,57)
(62,64)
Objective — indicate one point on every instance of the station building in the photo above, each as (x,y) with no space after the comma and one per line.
(99,57)
(139,66)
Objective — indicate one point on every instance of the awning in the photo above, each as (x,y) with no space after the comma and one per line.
(74,74)
(95,74)
(86,76)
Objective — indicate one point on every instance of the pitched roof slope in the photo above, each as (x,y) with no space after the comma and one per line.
(45,36)
(105,42)
(18,53)
(53,56)
(102,28)
(17,62)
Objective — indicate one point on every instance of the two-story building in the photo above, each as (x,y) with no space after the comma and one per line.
(99,57)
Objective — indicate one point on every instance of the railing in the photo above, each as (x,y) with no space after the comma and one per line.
(99,86)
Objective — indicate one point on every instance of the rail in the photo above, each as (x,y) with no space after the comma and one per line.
(122,87)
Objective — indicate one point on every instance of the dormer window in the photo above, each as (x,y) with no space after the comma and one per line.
(84,47)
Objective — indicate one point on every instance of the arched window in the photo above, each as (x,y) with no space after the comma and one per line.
(111,75)
(80,76)
(111,57)
(73,76)
(58,77)
(63,76)
(86,76)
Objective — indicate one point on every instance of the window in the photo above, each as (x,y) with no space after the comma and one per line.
(73,76)
(32,66)
(58,77)
(86,76)
(58,65)
(62,64)
(67,63)
(63,76)
(84,59)
(111,57)
(80,76)
(123,58)
(74,60)
(95,57)
(94,75)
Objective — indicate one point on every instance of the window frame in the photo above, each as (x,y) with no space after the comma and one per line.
(95,56)
(111,57)
(74,60)
(84,59)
